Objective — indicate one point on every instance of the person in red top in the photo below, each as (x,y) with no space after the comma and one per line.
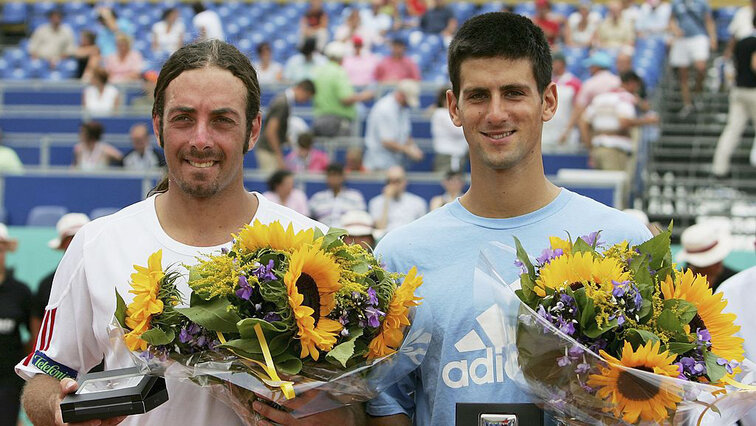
(550,23)
(314,24)
(397,66)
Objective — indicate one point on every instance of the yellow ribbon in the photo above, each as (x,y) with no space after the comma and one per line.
(730,381)
(269,367)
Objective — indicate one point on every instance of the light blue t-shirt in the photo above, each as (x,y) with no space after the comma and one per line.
(691,16)
(464,360)
(387,121)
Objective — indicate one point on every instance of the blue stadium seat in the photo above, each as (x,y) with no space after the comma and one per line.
(45,215)
(14,12)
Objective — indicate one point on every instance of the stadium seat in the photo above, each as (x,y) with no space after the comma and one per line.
(3,215)
(14,12)
(45,215)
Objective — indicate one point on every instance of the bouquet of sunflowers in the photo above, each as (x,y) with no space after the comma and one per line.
(278,314)
(617,335)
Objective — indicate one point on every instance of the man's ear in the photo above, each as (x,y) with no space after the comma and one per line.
(550,101)
(453,107)
(157,130)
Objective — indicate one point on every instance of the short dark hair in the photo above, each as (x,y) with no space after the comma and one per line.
(209,53)
(262,46)
(306,139)
(167,12)
(335,168)
(307,85)
(500,34)
(93,130)
(277,178)
(198,7)
(629,76)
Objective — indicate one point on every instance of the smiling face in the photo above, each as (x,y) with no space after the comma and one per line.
(501,112)
(204,130)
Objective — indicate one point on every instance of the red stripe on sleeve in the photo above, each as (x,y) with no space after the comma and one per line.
(52,325)
(43,328)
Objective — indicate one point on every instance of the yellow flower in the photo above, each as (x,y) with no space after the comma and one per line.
(558,243)
(579,268)
(311,281)
(628,394)
(274,236)
(695,289)
(145,284)
(390,336)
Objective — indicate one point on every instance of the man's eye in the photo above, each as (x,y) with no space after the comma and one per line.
(181,118)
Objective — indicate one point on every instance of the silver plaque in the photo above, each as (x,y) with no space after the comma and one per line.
(497,420)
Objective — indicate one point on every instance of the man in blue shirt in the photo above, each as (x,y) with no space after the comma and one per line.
(695,35)
(500,69)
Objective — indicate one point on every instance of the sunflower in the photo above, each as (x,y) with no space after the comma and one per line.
(695,289)
(629,395)
(558,243)
(311,281)
(578,268)
(273,236)
(390,336)
(145,285)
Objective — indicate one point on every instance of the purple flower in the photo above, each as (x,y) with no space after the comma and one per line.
(566,326)
(244,291)
(201,340)
(548,254)
(592,239)
(344,332)
(374,316)
(343,319)
(692,367)
(372,297)
(523,269)
(184,336)
(620,288)
(543,314)
(703,335)
(582,368)
(271,317)
(575,351)
(728,365)
(620,320)
(563,361)
(265,273)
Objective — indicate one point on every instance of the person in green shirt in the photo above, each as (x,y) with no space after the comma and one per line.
(9,161)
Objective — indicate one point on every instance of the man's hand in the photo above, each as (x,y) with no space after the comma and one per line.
(390,191)
(68,386)
(414,153)
(343,416)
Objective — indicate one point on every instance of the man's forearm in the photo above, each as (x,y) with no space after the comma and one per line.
(38,399)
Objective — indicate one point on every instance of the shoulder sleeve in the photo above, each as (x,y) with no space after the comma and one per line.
(397,399)
(66,344)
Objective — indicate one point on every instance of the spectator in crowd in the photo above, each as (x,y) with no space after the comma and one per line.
(397,66)
(304,157)
(91,153)
(359,227)
(269,148)
(630,11)
(52,41)
(15,311)
(581,25)
(601,80)
(352,27)
(300,66)
(360,66)
(143,104)
(653,19)
(353,161)
(109,26)
(705,246)
(439,19)
(376,20)
(395,206)
(268,70)
(610,117)
(415,9)
(281,191)
(9,161)
(624,63)
(328,206)
(388,134)
(143,155)
(449,144)
(567,86)
(742,105)
(314,25)
(206,22)
(614,31)
(168,33)
(694,36)
(126,64)
(100,99)
(453,184)
(87,55)
(738,291)
(334,102)
(549,22)
(66,227)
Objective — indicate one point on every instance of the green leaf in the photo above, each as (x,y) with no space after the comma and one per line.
(158,337)
(120,312)
(684,310)
(588,314)
(668,321)
(658,248)
(581,246)
(680,348)
(246,327)
(333,238)
(641,336)
(345,351)
(288,364)
(214,314)
(714,371)
(194,274)
(594,331)
(522,255)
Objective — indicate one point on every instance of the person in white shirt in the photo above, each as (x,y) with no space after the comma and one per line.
(653,19)
(143,156)
(207,116)
(268,70)
(206,23)
(329,205)
(52,41)
(91,153)
(449,144)
(581,25)
(100,99)
(395,206)
(168,33)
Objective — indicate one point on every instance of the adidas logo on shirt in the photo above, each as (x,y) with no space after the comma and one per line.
(487,368)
